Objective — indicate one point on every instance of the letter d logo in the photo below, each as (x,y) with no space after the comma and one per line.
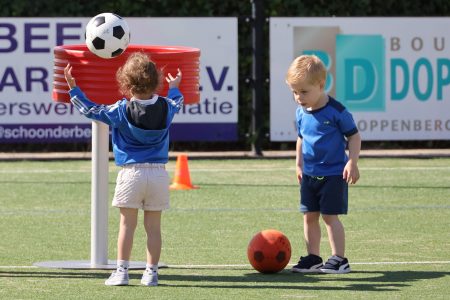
(360,72)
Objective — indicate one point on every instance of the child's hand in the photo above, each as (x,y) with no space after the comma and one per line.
(174,81)
(351,172)
(69,78)
(299,172)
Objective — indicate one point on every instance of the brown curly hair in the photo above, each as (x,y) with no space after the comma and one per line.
(138,75)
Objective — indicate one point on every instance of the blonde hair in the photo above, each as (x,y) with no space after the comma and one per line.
(138,75)
(306,67)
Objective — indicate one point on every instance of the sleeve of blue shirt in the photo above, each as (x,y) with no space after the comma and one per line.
(347,124)
(298,121)
(175,100)
(108,114)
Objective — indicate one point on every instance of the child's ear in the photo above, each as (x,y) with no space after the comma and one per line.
(322,85)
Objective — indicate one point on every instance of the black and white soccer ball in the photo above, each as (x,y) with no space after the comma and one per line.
(107,35)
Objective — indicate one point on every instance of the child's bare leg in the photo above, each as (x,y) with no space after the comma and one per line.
(128,222)
(336,234)
(311,229)
(152,224)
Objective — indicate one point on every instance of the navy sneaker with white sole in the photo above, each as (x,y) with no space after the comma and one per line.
(336,265)
(308,264)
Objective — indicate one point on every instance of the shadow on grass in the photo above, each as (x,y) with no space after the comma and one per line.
(355,281)
(376,281)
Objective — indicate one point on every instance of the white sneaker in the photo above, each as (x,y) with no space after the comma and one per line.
(118,277)
(149,278)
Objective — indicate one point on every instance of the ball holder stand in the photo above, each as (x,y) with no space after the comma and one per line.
(96,76)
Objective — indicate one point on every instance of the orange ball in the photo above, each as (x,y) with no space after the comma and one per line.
(269,251)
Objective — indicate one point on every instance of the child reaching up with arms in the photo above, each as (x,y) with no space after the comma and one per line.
(324,171)
(140,139)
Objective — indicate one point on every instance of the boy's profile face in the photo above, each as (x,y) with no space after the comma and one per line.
(309,95)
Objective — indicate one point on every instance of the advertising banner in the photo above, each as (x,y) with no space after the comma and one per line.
(393,74)
(28,114)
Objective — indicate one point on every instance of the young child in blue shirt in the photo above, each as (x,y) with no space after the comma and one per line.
(140,139)
(324,170)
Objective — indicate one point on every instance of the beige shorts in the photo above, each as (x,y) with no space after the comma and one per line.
(144,186)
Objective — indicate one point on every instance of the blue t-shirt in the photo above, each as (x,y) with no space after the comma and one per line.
(323,133)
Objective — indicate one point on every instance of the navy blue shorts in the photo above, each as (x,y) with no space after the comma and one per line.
(327,194)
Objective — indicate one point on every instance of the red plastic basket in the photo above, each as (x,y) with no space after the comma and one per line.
(97,76)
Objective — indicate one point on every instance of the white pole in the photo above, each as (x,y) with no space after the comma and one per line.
(99,194)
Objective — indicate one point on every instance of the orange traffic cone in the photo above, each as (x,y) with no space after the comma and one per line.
(182,179)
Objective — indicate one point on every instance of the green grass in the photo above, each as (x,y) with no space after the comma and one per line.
(398,212)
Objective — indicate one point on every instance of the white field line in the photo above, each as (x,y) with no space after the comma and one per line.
(403,263)
(225,266)
(40,171)
(352,263)
(18,267)
(293,168)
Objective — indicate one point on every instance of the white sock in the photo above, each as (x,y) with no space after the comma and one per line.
(152,268)
(123,264)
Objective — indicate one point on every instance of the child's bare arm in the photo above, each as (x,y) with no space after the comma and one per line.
(351,171)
